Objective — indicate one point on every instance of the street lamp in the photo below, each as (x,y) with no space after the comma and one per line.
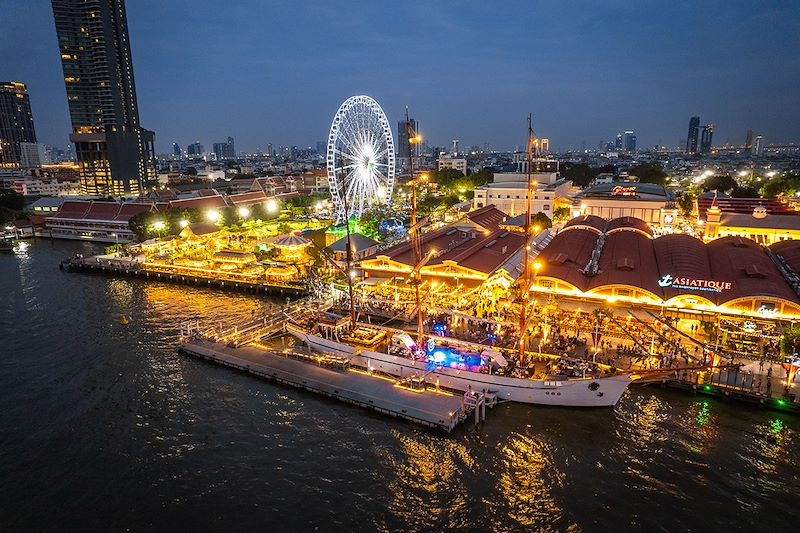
(244,212)
(183,223)
(212,216)
(272,205)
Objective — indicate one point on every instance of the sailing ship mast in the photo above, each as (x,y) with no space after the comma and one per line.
(416,242)
(524,286)
(349,258)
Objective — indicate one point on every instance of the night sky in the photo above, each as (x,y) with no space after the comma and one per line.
(276,71)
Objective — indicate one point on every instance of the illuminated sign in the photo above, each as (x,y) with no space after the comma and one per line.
(619,190)
(694,284)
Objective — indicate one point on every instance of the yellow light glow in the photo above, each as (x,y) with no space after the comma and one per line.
(272,206)
(244,212)
(212,216)
(183,223)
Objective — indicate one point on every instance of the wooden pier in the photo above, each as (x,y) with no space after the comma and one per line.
(122,268)
(430,408)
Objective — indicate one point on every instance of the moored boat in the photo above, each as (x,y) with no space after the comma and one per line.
(455,365)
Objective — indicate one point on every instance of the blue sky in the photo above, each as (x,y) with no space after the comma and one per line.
(276,71)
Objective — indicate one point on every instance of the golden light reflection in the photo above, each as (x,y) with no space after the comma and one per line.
(427,488)
(528,475)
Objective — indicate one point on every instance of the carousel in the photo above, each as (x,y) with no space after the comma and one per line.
(292,249)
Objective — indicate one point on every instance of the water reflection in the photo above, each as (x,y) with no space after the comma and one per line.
(427,488)
(527,477)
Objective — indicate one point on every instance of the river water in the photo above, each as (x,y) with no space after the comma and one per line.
(105,427)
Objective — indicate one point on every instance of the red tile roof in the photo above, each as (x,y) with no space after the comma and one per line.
(129,210)
(206,202)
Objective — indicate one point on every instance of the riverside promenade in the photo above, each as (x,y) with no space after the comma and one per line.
(131,267)
(430,408)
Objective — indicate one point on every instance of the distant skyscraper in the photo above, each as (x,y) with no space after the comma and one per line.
(694,131)
(618,143)
(544,146)
(270,150)
(748,140)
(32,155)
(16,122)
(705,142)
(758,145)
(195,149)
(630,141)
(224,150)
(114,152)
(402,138)
(176,150)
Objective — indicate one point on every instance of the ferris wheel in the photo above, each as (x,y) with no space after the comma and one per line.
(360,157)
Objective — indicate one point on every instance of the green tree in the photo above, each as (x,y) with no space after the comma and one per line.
(722,183)
(561,214)
(686,202)
(649,173)
(541,220)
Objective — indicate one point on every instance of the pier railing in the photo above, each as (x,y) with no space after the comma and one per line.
(248,332)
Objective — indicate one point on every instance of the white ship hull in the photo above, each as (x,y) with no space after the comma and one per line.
(600,392)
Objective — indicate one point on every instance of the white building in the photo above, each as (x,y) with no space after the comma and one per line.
(45,187)
(456,163)
(508,191)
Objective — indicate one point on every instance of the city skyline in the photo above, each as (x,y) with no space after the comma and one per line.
(265,84)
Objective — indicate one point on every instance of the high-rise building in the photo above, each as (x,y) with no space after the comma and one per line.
(694,132)
(114,152)
(748,140)
(195,149)
(32,155)
(16,122)
(544,146)
(402,138)
(630,141)
(176,150)
(705,141)
(224,150)
(618,142)
(758,145)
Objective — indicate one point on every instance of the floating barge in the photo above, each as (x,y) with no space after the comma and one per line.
(332,378)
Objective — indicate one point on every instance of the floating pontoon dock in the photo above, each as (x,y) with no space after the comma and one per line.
(428,408)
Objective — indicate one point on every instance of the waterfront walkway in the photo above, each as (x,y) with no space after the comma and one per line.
(132,267)
(429,408)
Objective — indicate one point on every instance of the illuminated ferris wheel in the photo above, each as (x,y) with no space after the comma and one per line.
(360,157)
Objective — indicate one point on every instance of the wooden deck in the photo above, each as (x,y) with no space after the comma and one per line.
(431,408)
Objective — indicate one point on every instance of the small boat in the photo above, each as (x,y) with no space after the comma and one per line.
(6,245)
(124,320)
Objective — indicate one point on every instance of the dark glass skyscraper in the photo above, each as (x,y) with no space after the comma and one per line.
(16,122)
(705,141)
(694,133)
(114,152)
(402,138)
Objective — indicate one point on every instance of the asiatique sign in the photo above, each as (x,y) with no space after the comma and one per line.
(695,284)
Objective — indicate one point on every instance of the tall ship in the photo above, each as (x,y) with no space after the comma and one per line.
(454,364)
(449,363)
